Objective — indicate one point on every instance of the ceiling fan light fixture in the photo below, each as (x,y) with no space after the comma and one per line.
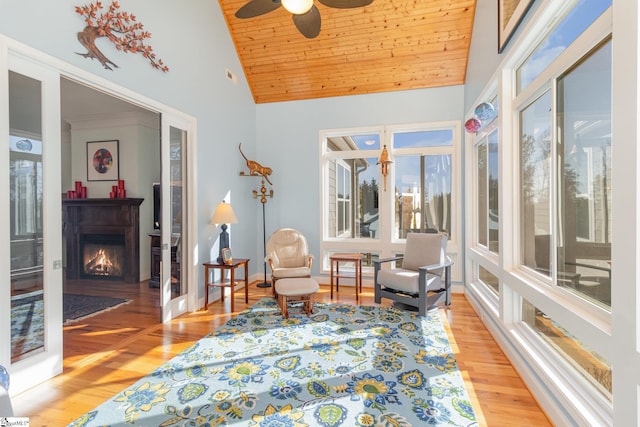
(297,7)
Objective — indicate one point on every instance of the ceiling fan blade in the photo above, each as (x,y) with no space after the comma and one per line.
(256,8)
(345,4)
(308,23)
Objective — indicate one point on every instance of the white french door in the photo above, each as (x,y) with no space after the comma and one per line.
(31,281)
(31,251)
(175,243)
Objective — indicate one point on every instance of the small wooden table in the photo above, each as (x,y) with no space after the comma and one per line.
(213,265)
(335,260)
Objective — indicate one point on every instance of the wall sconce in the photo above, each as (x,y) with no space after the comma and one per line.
(223,215)
(385,162)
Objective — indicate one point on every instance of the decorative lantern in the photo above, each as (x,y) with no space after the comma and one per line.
(384,162)
(472,125)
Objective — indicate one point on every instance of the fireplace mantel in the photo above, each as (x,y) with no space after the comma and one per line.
(102,217)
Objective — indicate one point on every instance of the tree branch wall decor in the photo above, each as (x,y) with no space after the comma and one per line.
(120,28)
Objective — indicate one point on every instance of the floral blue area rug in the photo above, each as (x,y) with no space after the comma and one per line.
(344,366)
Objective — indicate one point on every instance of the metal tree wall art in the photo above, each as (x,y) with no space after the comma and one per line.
(120,28)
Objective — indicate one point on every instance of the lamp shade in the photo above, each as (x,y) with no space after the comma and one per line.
(224,214)
(297,7)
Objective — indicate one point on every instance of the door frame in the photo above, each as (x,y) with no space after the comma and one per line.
(22,377)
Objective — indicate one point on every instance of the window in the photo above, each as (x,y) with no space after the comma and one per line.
(555,141)
(423,182)
(584,184)
(572,26)
(488,191)
(361,205)
(352,186)
(595,368)
(343,199)
(489,279)
(535,179)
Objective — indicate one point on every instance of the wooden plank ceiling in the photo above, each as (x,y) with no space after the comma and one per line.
(386,46)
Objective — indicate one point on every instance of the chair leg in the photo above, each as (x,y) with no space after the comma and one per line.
(283,306)
(273,287)
(310,304)
(422,310)
(307,305)
(447,286)
(377,298)
(376,293)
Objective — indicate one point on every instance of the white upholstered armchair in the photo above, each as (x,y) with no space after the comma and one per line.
(288,255)
(419,282)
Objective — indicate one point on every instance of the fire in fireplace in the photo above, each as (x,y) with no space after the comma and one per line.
(103,257)
(105,223)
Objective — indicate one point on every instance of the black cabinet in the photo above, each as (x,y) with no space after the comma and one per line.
(156,258)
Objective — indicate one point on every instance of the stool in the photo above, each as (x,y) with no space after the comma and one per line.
(296,289)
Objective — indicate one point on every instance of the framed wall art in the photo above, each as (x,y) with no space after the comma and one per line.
(102,161)
(510,14)
(226,256)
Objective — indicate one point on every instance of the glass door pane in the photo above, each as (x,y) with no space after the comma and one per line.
(25,213)
(173,281)
(176,160)
(32,306)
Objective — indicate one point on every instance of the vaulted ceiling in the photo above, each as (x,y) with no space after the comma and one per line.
(385,46)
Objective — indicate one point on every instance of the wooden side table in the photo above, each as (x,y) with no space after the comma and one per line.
(213,265)
(335,261)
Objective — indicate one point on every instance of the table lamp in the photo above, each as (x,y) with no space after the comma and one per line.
(223,215)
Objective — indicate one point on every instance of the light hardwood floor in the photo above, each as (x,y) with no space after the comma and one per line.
(107,352)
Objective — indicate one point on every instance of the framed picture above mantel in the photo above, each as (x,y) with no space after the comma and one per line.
(103,163)
(510,14)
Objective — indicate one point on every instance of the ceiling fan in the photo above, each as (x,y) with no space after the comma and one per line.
(306,15)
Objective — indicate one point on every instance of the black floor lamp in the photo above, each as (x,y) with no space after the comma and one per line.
(263,199)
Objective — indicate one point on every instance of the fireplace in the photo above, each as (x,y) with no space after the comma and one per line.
(102,239)
(102,256)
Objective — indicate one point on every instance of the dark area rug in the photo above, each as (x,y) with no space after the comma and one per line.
(78,307)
